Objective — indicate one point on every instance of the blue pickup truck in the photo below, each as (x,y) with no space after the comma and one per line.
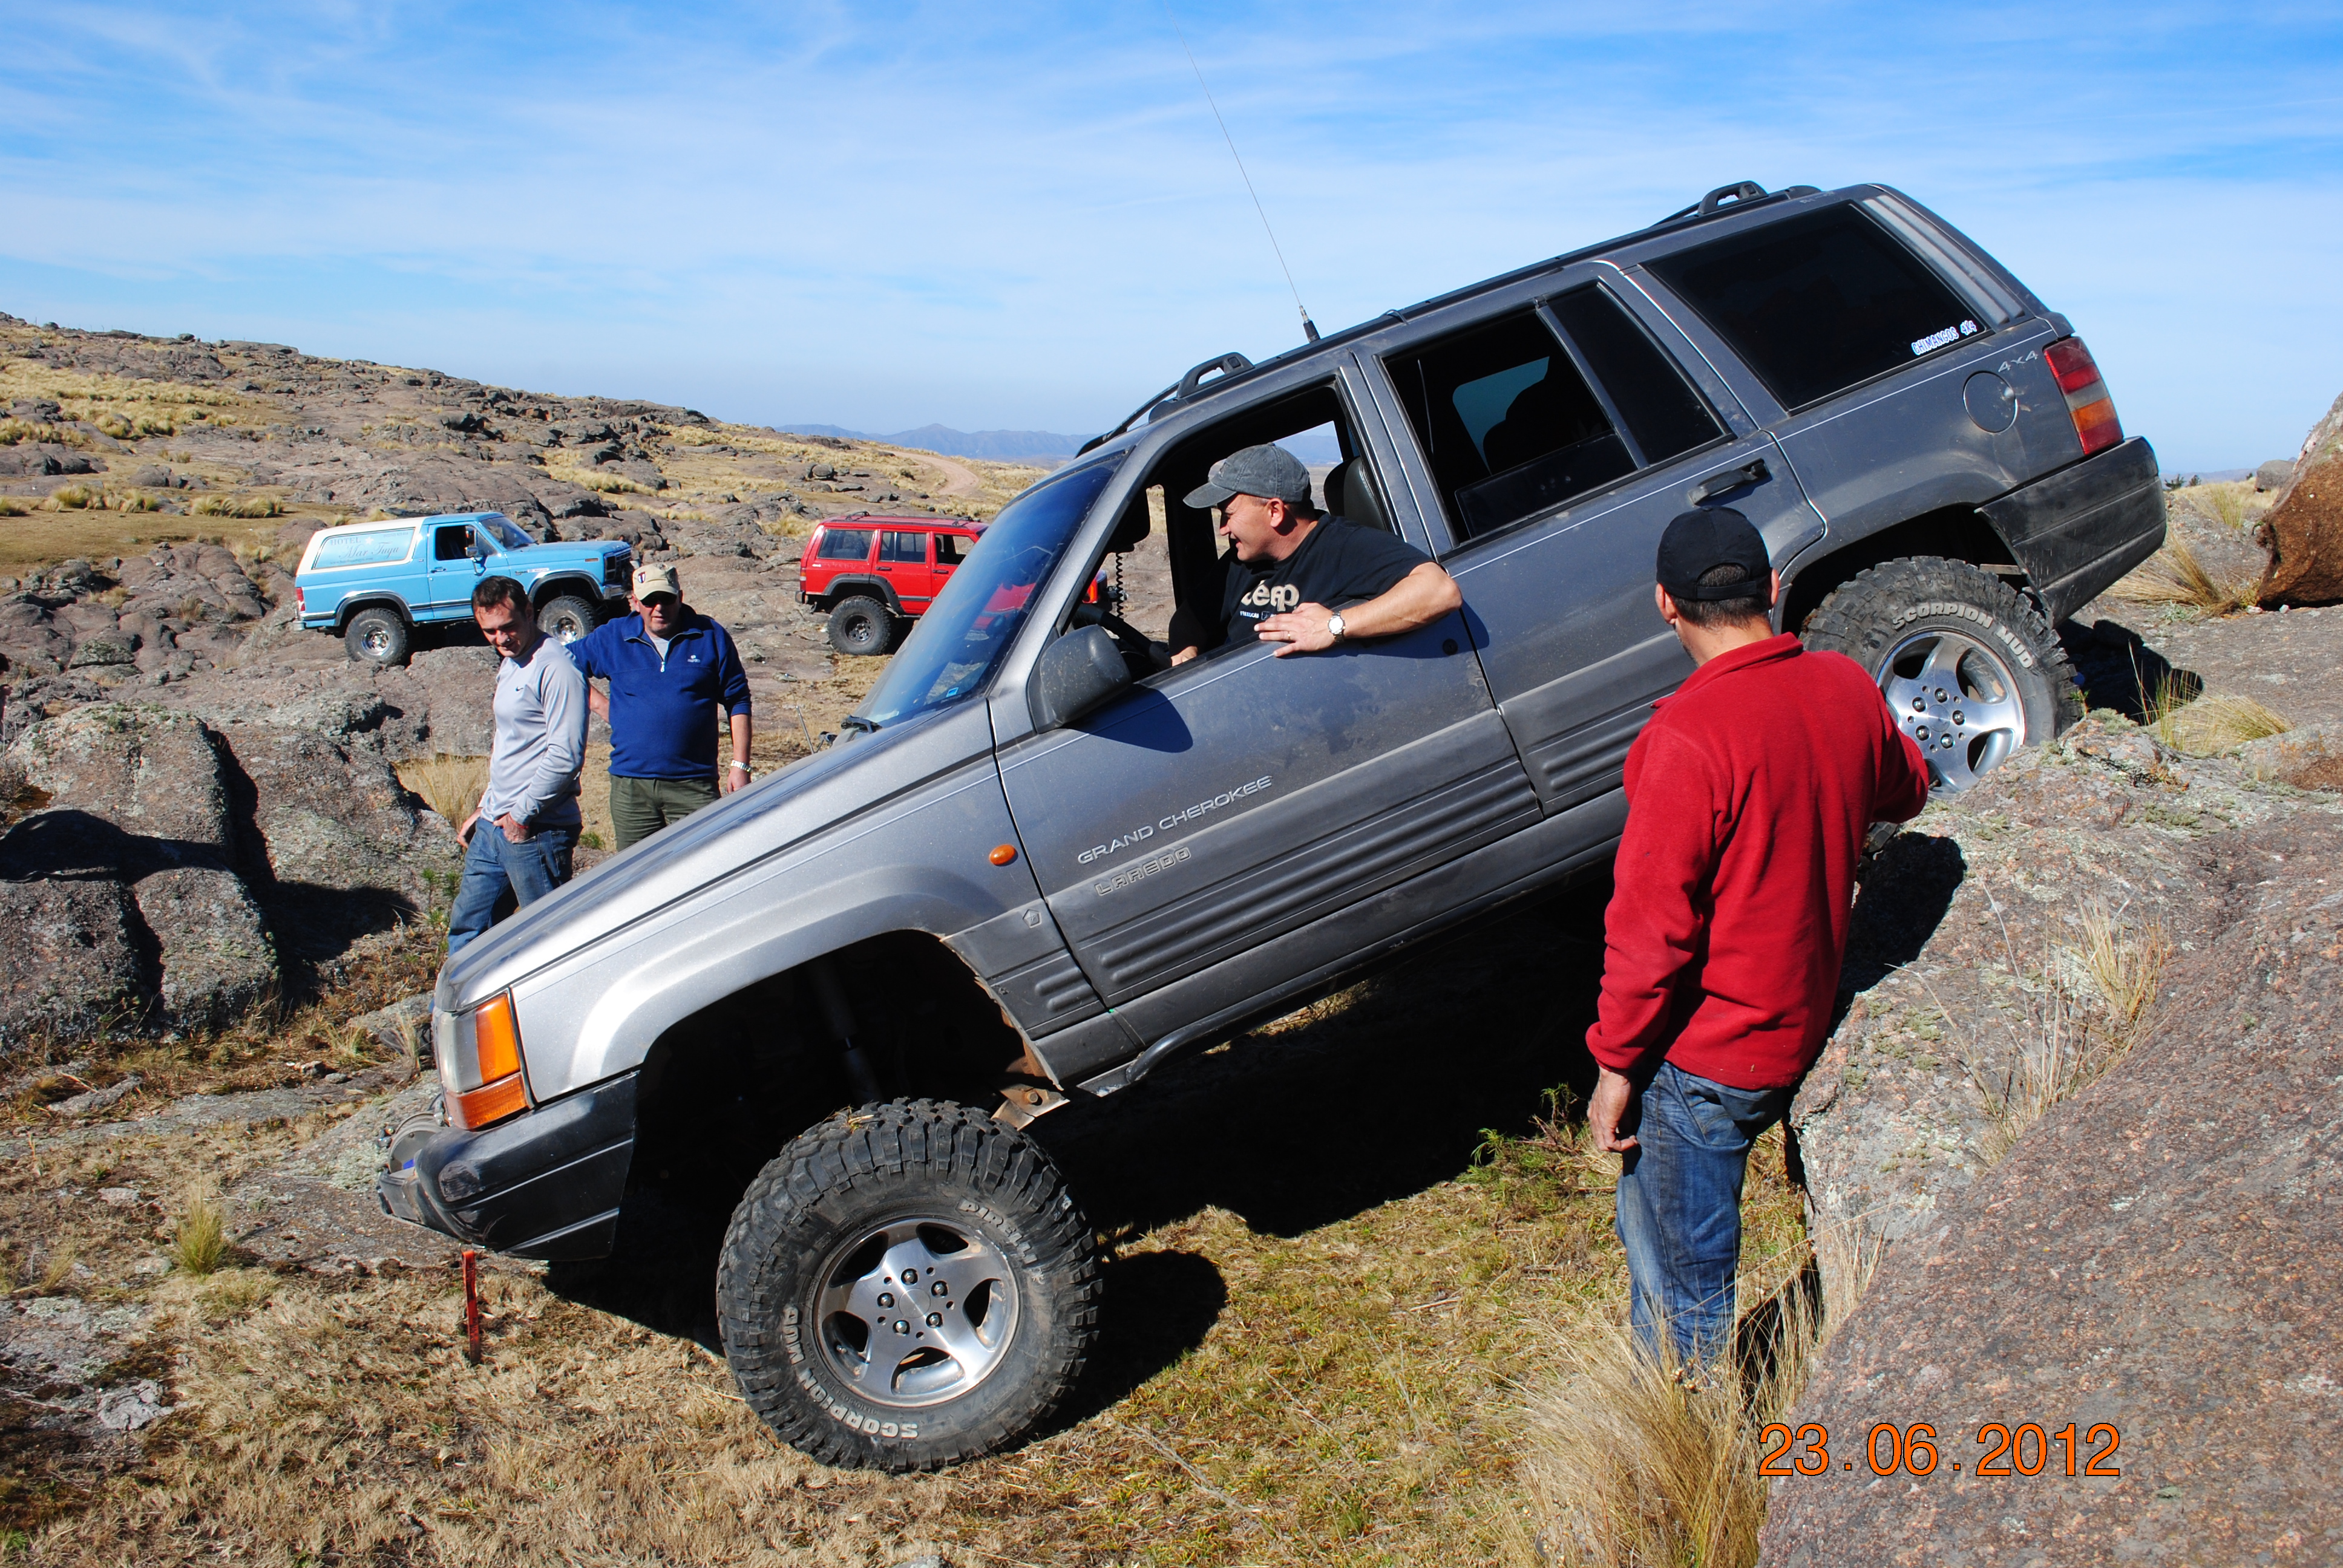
(372,584)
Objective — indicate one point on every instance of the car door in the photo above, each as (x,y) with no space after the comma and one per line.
(1561,439)
(455,567)
(904,564)
(1244,799)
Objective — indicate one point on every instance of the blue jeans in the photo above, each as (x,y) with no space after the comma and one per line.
(1680,1208)
(500,875)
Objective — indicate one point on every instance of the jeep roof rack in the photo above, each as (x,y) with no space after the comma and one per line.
(1731,198)
(1721,202)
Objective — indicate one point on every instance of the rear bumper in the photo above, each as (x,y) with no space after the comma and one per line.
(2086,526)
(546,1184)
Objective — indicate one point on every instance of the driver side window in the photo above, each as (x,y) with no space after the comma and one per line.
(1163,575)
(453,543)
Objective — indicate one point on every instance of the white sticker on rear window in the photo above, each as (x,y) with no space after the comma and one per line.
(1935,340)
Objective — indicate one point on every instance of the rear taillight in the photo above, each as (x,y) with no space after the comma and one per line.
(2088,401)
(300,600)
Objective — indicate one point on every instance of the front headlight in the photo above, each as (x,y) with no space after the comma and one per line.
(480,1064)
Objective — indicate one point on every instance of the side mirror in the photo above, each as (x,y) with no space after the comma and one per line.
(1076,672)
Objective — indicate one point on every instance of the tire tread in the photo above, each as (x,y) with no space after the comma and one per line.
(894,1139)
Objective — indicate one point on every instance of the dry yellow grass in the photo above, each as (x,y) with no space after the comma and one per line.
(199,1241)
(1633,1463)
(2216,723)
(2082,1019)
(1321,1332)
(449,785)
(2175,574)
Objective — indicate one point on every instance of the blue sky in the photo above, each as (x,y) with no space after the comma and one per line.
(1022,214)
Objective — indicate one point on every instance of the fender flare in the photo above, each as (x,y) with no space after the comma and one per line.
(378,599)
(844,587)
(553,588)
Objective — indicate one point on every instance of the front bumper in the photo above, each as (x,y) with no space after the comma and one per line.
(545,1184)
(2079,531)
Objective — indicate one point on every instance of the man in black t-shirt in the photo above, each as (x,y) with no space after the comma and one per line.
(1288,563)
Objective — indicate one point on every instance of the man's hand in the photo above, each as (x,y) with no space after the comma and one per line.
(1614,1095)
(596,701)
(1303,629)
(1185,654)
(464,833)
(734,777)
(516,830)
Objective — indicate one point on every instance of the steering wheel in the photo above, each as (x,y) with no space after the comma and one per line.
(1129,640)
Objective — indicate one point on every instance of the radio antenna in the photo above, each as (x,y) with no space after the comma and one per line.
(1309,328)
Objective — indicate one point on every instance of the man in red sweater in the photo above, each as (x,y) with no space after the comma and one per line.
(1748,795)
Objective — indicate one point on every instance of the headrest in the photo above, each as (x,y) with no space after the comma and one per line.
(1359,500)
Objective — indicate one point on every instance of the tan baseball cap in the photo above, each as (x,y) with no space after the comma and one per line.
(650,578)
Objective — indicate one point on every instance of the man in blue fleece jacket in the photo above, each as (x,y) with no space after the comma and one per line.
(672,672)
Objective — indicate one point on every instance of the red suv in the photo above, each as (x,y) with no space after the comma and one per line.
(869,574)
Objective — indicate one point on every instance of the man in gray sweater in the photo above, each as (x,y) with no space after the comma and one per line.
(517,845)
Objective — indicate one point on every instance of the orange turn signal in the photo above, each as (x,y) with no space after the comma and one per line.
(1002,854)
(490,1102)
(497,1035)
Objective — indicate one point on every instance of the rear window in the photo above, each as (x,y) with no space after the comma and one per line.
(1817,303)
(369,549)
(844,545)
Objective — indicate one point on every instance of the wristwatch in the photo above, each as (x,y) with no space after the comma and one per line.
(1334,626)
(743,766)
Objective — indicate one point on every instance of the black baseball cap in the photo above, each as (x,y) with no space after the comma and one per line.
(1698,542)
(1273,473)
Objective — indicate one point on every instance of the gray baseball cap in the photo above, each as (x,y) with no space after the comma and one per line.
(1273,473)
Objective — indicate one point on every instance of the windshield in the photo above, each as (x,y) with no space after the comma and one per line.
(502,530)
(970,626)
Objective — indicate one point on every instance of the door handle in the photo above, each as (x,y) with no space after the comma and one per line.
(1723,483)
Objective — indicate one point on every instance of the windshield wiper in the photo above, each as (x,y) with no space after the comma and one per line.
(856,721)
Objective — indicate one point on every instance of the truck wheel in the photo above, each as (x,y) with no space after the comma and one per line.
(860,626)
(565,618)
(1971,669)
(906,1286)
(377,637)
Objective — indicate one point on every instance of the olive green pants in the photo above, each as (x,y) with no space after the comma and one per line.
(642,807)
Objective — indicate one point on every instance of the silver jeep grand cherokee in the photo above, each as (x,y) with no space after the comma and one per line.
(1046,861)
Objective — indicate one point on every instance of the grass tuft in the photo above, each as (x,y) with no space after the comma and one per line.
(199,1241)
(2215,724)
(62,1258)
(2176,576)
(1639,1464)
(71,498)
(2083,1020)
(2224,503)
(238,507)
(449,785)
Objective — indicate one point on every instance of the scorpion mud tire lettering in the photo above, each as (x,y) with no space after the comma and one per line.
(858,1170)
(1876,612)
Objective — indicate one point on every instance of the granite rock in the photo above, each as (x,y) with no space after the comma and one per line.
(2157,1256)
(2304,528)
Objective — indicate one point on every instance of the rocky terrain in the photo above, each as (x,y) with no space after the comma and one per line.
(2069,1154)
(215,816)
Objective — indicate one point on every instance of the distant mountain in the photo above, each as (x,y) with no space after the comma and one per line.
(998,446)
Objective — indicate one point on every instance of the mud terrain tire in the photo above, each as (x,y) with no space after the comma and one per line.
(906,1286)
(860,626)
(1971,669)
(567,619)
(378,637)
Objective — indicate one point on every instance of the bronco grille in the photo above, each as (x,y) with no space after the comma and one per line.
(614,567)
